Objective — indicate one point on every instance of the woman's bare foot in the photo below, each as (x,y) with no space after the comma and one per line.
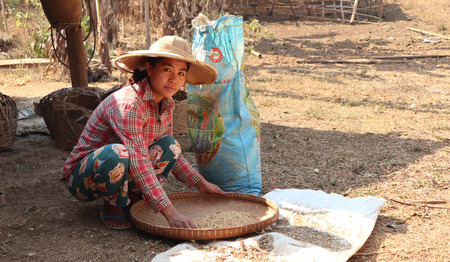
(115,217)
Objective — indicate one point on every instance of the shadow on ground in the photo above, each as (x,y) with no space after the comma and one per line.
(334,161)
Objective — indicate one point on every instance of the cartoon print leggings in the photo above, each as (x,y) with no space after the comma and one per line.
(104,172)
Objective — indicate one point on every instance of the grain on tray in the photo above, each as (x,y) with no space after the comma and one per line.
(225,219)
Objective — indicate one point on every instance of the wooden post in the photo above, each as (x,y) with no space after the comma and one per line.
(77,56)
(335,9)
(323,10)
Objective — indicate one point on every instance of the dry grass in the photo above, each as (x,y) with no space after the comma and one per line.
(433,12)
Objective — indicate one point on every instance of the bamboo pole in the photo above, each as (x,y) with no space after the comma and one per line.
(355,7)
(427,33)
(253,52)
(409,56)
(372,60)
(350,61)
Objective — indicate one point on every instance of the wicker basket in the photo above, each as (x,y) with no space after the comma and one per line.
(8,122)
(66,112)
(180,126)
(195,204)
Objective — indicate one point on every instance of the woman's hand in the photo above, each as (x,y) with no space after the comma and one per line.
(175,219)
(205,186)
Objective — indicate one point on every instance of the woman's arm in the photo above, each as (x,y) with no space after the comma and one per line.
(205,186)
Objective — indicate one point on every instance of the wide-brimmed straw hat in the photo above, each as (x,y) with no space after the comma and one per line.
(170,47)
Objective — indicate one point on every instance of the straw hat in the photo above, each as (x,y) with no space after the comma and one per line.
(170,47)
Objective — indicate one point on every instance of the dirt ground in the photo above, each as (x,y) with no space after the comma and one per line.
(354,128)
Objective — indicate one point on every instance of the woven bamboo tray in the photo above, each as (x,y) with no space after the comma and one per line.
(196,204)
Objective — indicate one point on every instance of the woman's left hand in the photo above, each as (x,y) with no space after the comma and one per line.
(205,186)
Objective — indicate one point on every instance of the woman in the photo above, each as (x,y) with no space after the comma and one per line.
(126,150)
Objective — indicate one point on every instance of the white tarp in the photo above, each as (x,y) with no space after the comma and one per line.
(313,226)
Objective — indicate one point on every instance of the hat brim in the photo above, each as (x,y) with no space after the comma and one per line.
(199,72)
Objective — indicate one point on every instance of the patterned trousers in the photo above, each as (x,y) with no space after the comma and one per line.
(104,172)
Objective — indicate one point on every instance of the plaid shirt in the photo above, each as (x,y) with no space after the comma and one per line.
(130,116)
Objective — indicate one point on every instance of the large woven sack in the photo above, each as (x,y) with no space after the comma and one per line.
(8,122)
(223,121)
(66,112)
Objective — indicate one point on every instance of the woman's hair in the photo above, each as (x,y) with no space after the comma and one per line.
(137,76)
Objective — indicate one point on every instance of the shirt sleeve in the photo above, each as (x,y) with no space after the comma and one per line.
(128,121)
(185,172)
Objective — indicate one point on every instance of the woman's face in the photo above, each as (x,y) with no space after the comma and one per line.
(167,76)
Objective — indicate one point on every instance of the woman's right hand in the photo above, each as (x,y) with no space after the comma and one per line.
(175,219)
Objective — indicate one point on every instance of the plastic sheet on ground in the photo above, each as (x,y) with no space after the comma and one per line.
(313,226)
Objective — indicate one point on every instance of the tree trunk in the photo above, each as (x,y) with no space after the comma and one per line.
(148,39)
(141,11)
(103,38)
(4,16)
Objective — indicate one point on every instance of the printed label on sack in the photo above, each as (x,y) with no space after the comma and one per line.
(216,55)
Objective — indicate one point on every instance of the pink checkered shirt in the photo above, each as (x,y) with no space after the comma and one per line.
(130,116)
